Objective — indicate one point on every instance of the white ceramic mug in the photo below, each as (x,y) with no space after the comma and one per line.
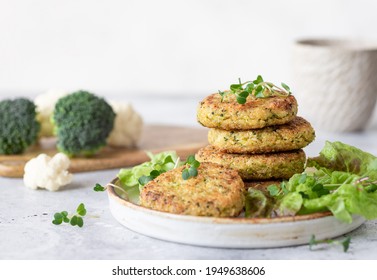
(335,83)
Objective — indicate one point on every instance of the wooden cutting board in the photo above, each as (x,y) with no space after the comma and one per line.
(155,138)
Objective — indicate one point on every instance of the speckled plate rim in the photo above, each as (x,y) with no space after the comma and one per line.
(227,232)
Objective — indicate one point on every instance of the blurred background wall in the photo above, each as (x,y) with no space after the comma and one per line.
(165,47)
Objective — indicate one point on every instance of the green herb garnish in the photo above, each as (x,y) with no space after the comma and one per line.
(276,191)
(273,190)
(99,188)
(345,243)
(191,169)
(132,180)
(143,180)
(74,220)
(257,88)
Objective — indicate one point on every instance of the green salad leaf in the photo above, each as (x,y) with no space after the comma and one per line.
(342,157)
(289,205)
(342,179)
(257,204)
(133,179)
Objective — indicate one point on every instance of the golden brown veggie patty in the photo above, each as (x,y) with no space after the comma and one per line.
(216,191)
(255,113)
(259,166)
(294,135)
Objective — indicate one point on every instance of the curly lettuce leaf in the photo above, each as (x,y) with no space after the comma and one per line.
(256,204)
(340,192)
(129,177)
(289,204)
(342,157)
(348,199)
(343,181)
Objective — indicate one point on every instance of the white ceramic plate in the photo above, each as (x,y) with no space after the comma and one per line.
(227,232)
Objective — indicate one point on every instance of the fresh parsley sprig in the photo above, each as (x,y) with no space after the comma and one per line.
(345,243)
(74,220)
(257,88)
(191,169)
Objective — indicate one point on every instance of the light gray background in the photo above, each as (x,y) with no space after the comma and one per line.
(165,47)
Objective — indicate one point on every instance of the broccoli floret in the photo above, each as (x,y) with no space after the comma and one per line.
(82,123)
(18,125)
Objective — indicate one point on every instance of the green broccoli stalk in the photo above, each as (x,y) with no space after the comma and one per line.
(82,122)
(18,125)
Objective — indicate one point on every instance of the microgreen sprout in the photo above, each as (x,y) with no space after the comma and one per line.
(100,188)
(276,191)
(257,88)
(143,180)
(367,184)
(273,190)
(191,169)
(345,243)
(74,220)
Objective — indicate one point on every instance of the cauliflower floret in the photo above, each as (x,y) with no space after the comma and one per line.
(128,126)
(45,107)
(47,173)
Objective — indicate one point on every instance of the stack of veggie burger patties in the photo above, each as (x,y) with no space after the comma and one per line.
(254,129)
